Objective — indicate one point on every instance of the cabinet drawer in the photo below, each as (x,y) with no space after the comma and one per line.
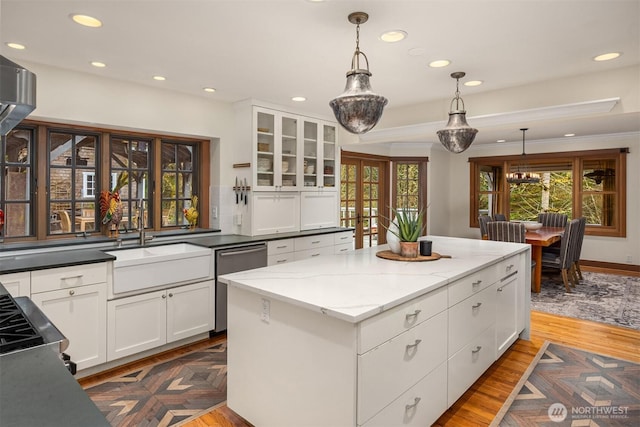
(412,355)
(312,253)
(469,318)
(343,237)
(68,277)
(376,330)
(280,258)
(471,284)
(419,406)
(17,284)
(312,242)
(466,366)
(276,247)
(508,266)
(343,248)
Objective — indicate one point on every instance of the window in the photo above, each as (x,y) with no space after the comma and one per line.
(16,181)
(178,183)
(88,184)
(410,178)
(587,183)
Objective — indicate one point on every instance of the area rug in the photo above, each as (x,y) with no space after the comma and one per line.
(165,394)
(564,386)
(606,298)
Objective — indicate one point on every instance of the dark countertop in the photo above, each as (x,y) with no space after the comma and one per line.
(55,257)
(36,389)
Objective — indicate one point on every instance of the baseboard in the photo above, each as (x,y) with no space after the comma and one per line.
(630,269)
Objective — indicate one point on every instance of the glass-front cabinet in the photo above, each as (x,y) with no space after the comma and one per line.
(319,163)
(276,142)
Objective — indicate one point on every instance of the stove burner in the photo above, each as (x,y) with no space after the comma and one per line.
(16,331)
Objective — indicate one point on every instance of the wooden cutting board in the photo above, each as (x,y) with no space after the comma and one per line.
(397,257)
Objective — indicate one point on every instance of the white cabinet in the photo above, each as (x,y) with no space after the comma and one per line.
(274,212)
(286,250)
(320,154)
(318,210)
(146,321)
(280,251)
(17,284)
(506,313)
(79,312)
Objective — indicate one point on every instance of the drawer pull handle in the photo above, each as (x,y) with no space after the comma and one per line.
(413,405)
(414,345)
(476,305)
(414,314)
(164,296)
(510,266)
(280,261)
(281,247)
(72,292)
(314,255)
(72,277)
(476,283)
(499,289)
(477,349)
(315,241)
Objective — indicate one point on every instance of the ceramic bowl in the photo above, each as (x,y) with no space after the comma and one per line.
(532,225)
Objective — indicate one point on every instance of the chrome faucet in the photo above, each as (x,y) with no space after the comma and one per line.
(143,237)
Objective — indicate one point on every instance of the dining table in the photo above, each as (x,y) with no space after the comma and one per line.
(543,237)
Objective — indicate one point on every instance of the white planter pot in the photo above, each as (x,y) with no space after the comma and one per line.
(392,240)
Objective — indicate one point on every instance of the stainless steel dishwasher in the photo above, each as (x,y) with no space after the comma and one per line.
(232,260)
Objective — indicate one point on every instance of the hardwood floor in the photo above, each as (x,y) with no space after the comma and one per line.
(478,406)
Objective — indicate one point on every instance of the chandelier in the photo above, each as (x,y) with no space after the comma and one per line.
(522,175)
(457,136)
(599,175)
(358,109)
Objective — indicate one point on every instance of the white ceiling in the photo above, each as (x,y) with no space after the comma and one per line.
(273,50)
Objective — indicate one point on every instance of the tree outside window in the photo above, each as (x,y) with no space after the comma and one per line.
(16,180)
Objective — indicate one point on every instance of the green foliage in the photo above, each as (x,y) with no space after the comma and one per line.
(409,224)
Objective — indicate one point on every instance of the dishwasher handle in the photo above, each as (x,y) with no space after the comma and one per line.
(231,252)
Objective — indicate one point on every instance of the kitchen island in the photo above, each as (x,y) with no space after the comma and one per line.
(353,339)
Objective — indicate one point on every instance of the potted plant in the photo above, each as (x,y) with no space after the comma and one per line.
(409,227)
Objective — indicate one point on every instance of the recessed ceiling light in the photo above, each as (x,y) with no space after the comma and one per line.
(98,64)
(298,98)
(209,89)
(607,56)
(393,36)
(159,78)
(439,63)
(16,46)
(86,20)
(473,83)
(569,134)
(417,51)
(501,140)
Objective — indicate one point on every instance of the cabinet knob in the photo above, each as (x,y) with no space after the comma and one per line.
(414,314)
(499,289)
(72,292)
(414,345)
(170,295)
(164,296)
(476,283)
(413,405)
(477,349)
(476,305)
(510,266)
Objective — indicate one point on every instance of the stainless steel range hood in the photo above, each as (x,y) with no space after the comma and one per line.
(17,94)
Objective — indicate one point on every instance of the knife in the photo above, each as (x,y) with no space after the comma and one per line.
(246,189)
(241,190)
(235,190)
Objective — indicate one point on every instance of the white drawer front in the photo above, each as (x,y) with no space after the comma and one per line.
(312,242)
(466,366)
(312,253)
(343,237)
(280,258)
(469,285)
(419,406)
(470,317)
(67,277)
(508,266)
(283,246)
(376,330)
(343,248)
(17,284)
(413,354)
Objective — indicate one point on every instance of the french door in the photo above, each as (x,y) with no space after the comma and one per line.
(364,198)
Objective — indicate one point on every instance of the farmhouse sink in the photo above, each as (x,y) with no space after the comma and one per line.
(137,269)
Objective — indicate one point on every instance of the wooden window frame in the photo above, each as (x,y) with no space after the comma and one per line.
(576,159)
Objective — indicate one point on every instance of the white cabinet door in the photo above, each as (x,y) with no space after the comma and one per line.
(80,313)
(318,209)
(17,284)
(506,321)
(276,212)
(136,324)
(320,165)
(190,310)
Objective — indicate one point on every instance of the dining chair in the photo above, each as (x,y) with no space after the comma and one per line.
(578,247)
(552,219)
(65,221)
(499,217)
(504,231)
(564,261)
(483,220)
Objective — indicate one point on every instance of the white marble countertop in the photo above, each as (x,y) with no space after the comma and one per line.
(357,285)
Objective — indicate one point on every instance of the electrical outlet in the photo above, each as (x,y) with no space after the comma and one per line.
(629,259)
(265,315)
(214,212)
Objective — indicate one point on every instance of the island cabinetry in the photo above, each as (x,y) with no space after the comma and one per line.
(143,322)
(313,246)
(17,284)
(286,250)
(279,251)
(75,300)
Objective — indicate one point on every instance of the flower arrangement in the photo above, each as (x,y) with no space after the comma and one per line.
(111,206)
(191,213)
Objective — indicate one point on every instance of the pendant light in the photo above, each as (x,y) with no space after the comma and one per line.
(523,175)
(358,109)
(457,136)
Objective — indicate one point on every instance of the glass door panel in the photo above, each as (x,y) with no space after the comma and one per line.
(265,149)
